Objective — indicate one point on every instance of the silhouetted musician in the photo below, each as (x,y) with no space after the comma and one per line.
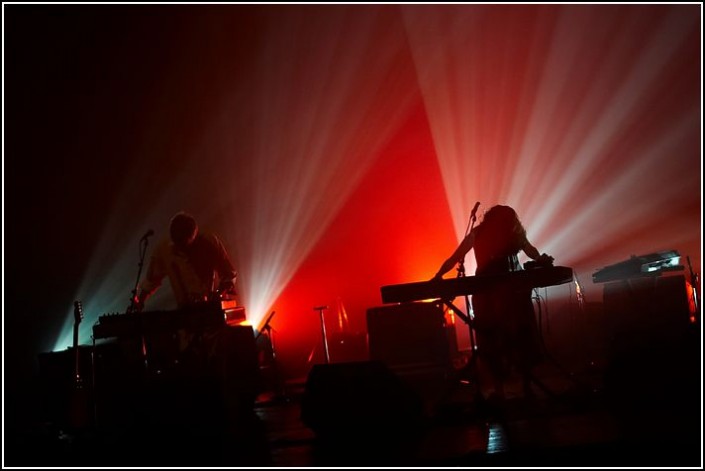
(196,263)
(505,325)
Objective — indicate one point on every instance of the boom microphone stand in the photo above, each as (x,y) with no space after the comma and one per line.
(144,242)
(461,274)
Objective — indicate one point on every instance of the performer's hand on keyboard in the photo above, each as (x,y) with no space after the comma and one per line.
(545,260)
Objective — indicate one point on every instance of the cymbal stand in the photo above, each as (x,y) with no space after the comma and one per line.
(320,310)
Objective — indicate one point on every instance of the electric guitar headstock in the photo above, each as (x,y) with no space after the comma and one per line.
(77,312)
(77,317)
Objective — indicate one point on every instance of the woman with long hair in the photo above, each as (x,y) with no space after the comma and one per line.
(505,325)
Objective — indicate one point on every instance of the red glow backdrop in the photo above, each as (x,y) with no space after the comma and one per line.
(339,148)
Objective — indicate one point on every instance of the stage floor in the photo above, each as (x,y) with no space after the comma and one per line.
(647,416)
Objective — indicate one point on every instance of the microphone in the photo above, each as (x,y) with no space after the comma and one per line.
(474,211)
(147,234)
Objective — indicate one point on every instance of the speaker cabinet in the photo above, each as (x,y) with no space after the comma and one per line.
(410,335)
(654,349)
(353,397)
(649,308)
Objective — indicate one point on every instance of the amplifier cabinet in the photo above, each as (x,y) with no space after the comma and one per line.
(410,335)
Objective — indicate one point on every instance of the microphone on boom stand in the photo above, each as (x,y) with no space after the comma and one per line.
(471,224)
(474,211)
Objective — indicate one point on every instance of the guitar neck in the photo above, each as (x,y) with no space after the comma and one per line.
(78,316)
